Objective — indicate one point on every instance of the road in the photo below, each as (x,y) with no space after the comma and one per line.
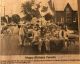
(9,45)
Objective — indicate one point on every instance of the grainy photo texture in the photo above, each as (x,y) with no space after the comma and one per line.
(39,27)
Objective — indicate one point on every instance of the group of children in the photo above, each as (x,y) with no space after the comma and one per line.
(35,34)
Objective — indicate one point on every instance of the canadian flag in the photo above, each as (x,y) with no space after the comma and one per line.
(51,5)
(47,8)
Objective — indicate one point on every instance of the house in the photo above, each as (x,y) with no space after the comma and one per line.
(68,17)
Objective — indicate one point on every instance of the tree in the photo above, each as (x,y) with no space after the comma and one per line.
(29,11)
(27,17)
(3,19)
(44,9)
(9,20)
(16,18)
(48,16)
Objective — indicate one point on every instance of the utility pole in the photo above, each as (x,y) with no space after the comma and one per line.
(4,11)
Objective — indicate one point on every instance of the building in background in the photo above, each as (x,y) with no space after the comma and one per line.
(68,17)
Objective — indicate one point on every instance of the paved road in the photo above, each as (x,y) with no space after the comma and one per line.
(9,46)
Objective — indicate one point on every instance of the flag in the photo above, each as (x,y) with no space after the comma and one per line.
(51,5)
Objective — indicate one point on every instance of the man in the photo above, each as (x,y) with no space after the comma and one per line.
(21,35)
(30,35)
(47,41)
(36,38)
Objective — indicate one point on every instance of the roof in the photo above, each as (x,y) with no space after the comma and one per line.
(68,6)
(60,5)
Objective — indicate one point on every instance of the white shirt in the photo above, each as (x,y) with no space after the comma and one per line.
(21,31)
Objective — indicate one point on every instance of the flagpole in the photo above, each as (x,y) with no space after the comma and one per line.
(4,11)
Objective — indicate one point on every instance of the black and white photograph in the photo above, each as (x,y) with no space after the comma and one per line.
(39,27)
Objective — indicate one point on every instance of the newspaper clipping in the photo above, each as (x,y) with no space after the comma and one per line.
(39,31)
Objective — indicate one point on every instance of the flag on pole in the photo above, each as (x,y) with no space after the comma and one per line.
(51,5)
